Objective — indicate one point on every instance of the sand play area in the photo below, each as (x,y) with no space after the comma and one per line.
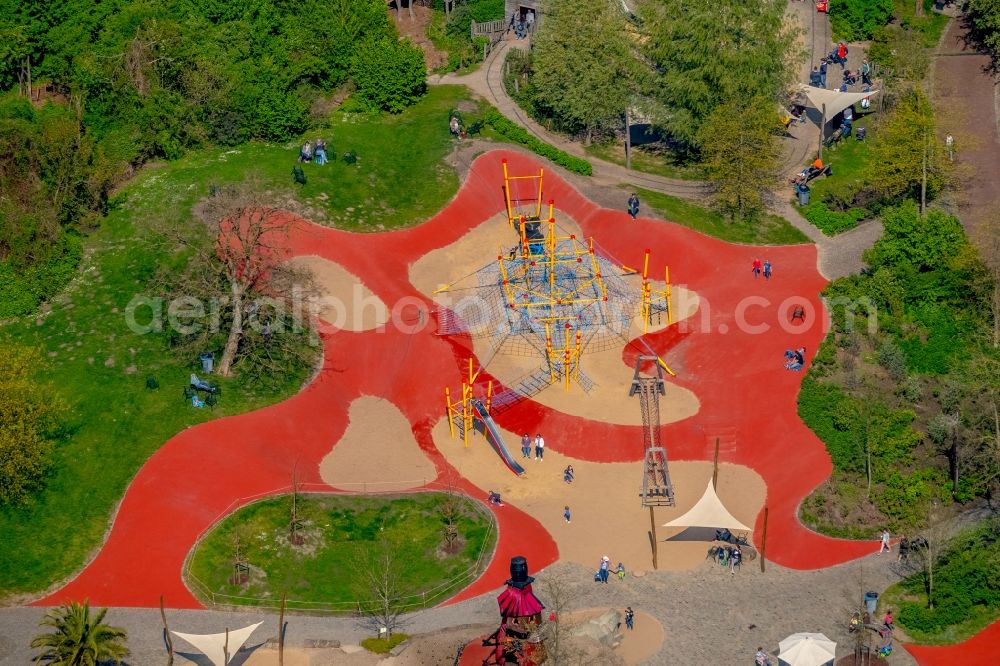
(608,400)
(607,517)
(377,453)
(345,302)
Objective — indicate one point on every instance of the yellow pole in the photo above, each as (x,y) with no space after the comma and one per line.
(578,350)
(466,413)
(447,401)
(506,193)
(552,206)
(489,395)
(538,203)
(666,293)
(646,295)
(548,352)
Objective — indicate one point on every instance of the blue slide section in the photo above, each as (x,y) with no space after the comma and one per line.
(484,423)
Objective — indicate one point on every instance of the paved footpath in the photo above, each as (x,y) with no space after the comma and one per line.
(709,615)
(838,256)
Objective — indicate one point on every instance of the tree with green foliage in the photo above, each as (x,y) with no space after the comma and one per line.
(709,52)
(587,70)
(29,417)
(740,155)
(856,20)
(984,17)
(390,74)
(77,639)
(918,242)
(907,159)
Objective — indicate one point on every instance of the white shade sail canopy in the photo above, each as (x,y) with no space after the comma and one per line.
(708,512)
(834,100)
(805,649)
(213,646)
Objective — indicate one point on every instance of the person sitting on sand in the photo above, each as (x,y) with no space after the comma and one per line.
(568,474)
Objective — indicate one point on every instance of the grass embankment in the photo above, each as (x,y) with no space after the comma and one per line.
(769,230)
(114,424)
(657,162)
(343,537)
(849,160)
(966,590)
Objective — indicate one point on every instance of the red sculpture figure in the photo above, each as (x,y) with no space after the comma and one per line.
(516,641)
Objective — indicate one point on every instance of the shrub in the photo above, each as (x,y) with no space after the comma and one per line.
(383,645)
(831,222)
(518,134)
(891,357)
(390,74)
(856,20)
(24,288)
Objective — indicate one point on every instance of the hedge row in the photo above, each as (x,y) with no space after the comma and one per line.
(517,134)
(832,222)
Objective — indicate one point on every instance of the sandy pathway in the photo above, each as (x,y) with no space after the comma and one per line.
(607,517)
(377,452)
(345,302)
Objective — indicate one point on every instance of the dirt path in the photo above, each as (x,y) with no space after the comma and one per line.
(966,95)
(415,30)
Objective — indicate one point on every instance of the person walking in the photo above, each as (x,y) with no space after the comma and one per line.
(630,618)
(566,513)
(568,474)
(866,72)
(904,549)
(884,546)
(842,54)
(633,205)
(529,20)
(603,571)
(822,73)
(539,447)
(755,267)
(526,446)
(767,269)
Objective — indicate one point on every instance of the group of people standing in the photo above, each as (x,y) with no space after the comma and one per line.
(758,267)
(539,445)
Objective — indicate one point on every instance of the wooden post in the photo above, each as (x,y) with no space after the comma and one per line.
(763,542)
(166,634)
(822,132)
(281,631)
(225,648)
(652,535)
(715,465)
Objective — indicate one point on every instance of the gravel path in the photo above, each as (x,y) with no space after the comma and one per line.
(709,615)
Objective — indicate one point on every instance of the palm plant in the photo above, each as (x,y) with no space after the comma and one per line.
(77,639)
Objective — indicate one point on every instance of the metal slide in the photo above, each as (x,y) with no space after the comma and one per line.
(484,423)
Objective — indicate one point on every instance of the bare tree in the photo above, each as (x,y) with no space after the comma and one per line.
(937,535)
(260,302)
(381,614)
(451,511)
(557,588)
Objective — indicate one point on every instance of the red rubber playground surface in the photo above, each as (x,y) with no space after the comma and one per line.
(730,354)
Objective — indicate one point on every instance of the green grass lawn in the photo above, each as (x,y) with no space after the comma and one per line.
(659,164)
(770,230)
(341,535)
(930,26)
(896,596)
(849,160)
(99,366)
